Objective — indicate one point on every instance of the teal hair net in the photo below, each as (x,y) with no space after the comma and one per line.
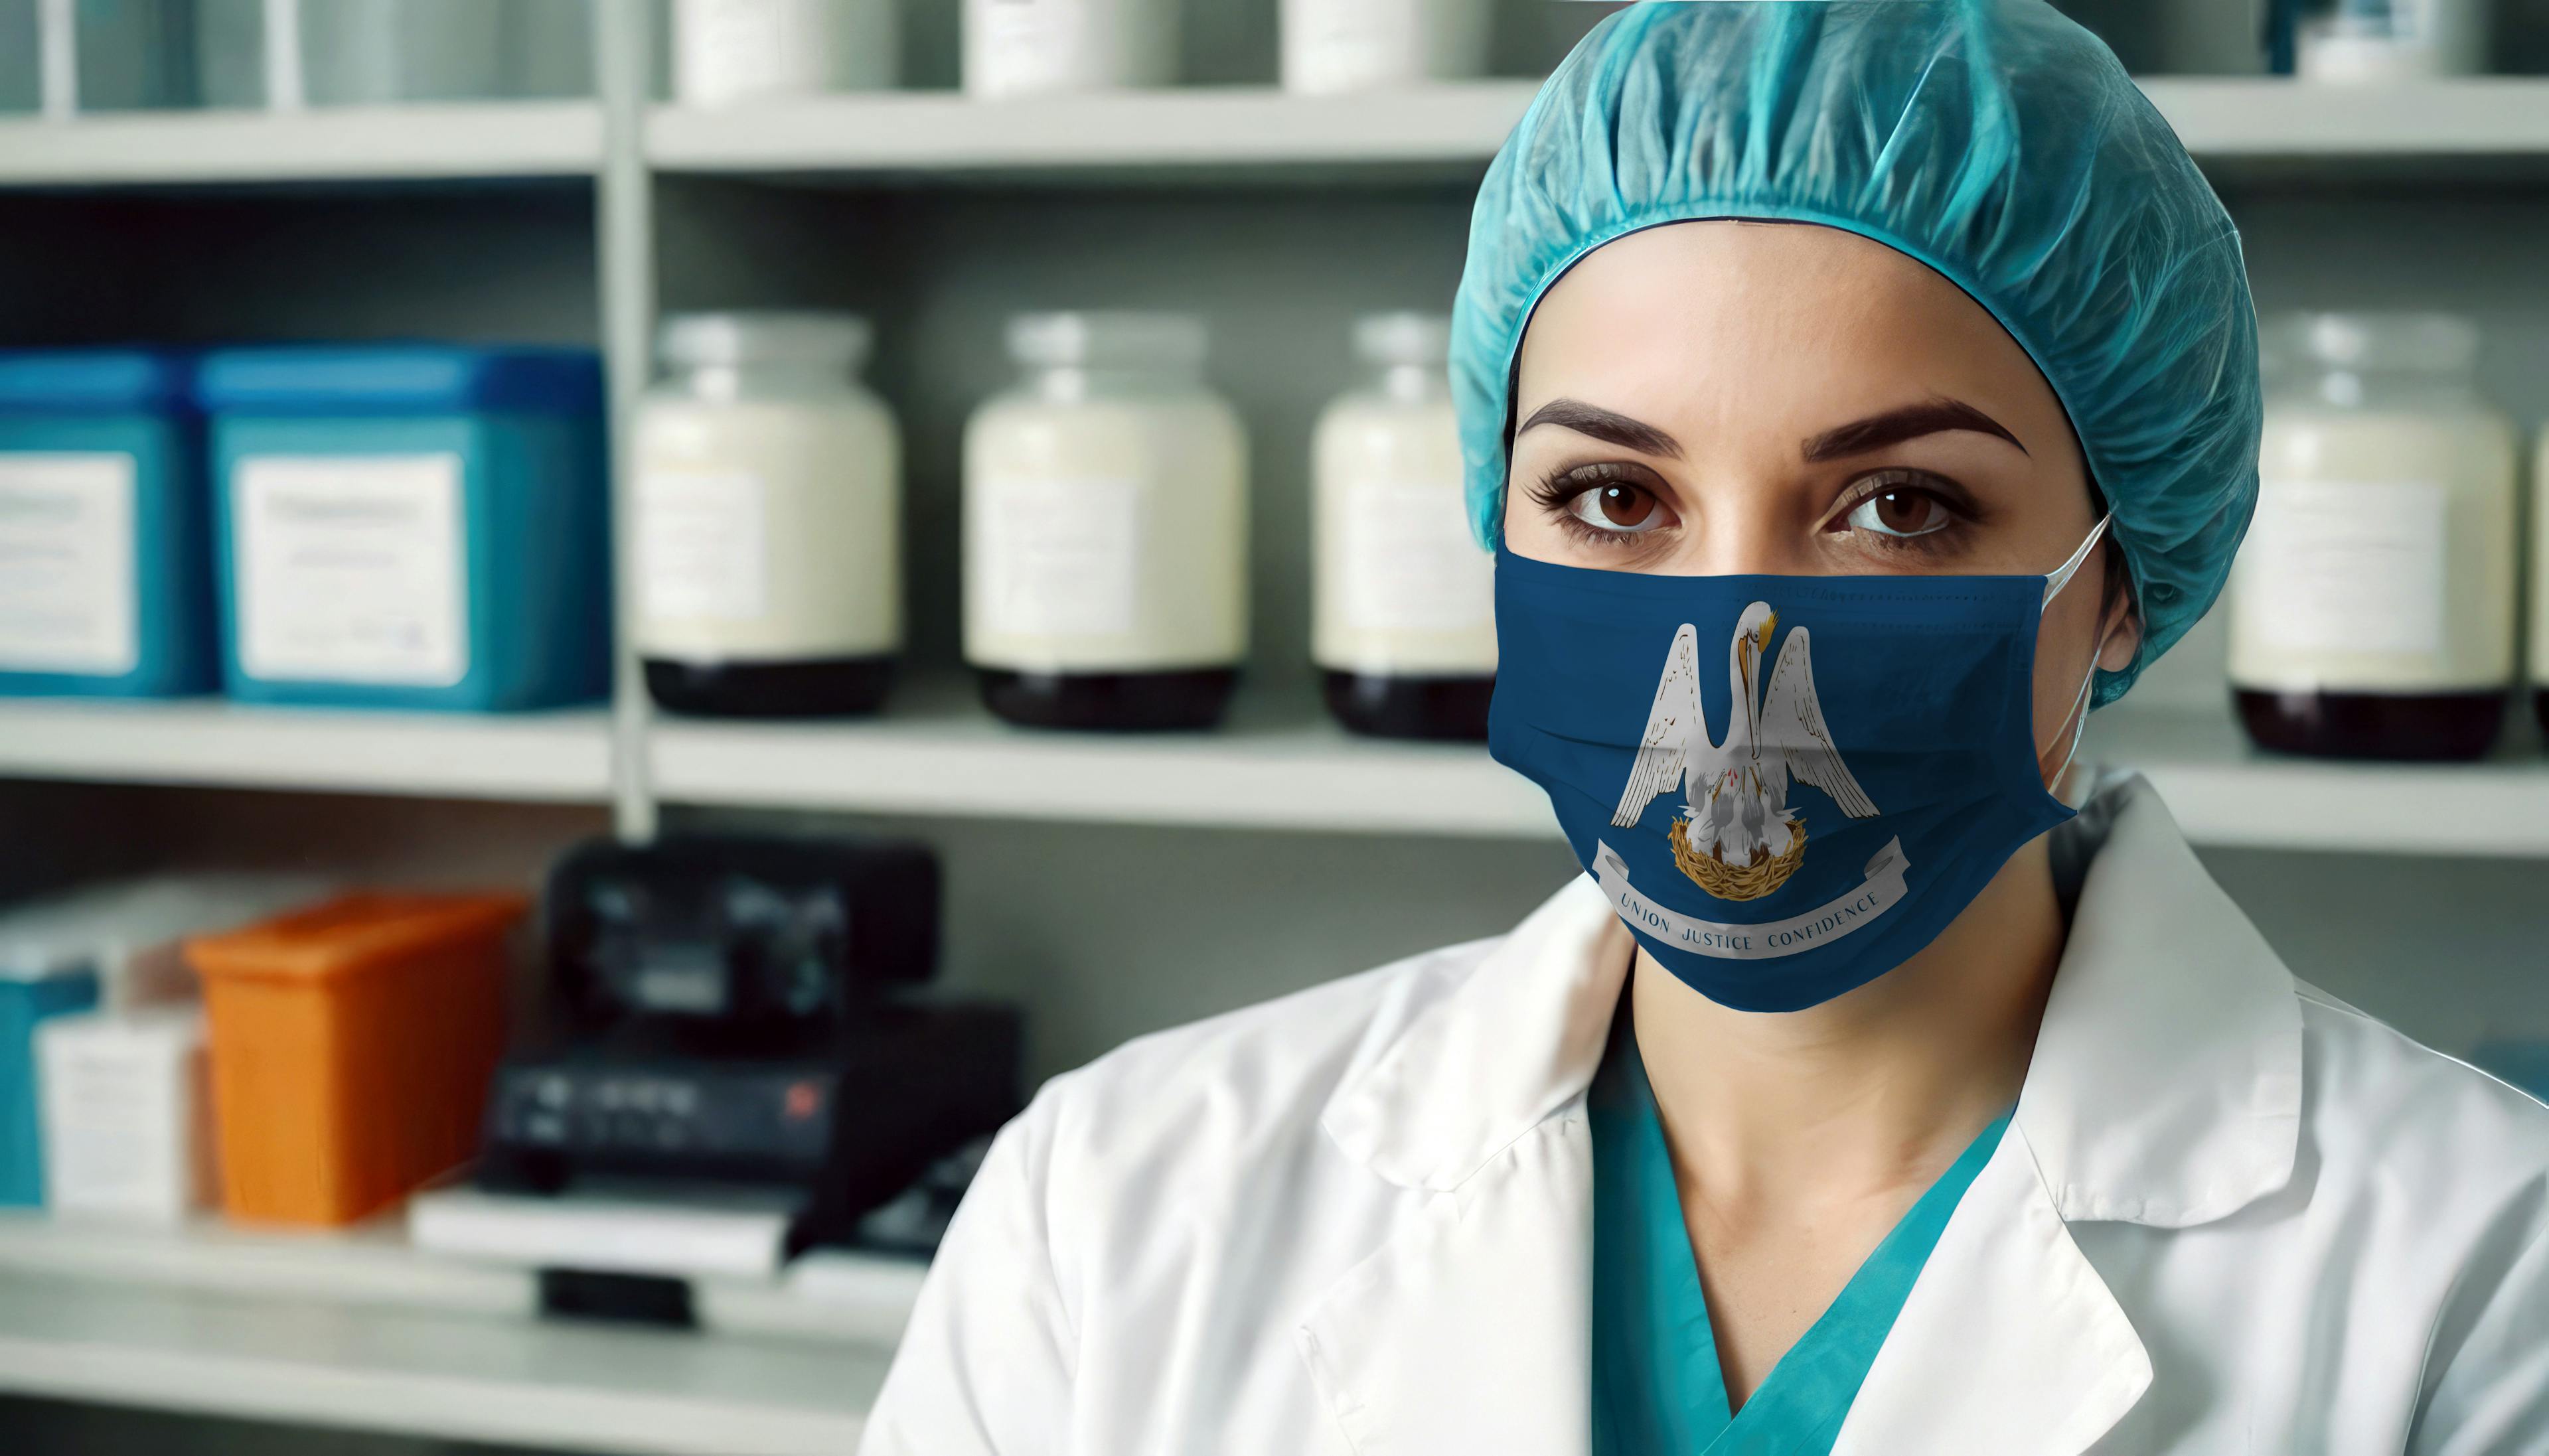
(1993,140)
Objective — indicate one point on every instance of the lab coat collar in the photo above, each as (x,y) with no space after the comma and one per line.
(2165,1088)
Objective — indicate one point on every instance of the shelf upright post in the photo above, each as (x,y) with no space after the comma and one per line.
(622,69)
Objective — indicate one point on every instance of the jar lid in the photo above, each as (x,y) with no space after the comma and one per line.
(1405,339)
(92,381)
(805,339)
(399,379)
(2421,343)
(1100,340)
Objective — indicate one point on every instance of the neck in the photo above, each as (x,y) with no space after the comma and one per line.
(1868,1093)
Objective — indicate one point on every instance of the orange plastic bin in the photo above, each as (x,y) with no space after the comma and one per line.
(351,1044)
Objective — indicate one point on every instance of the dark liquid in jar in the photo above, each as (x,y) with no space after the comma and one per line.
(814,687)
(1437,708)
(2373,725)
(1133,702)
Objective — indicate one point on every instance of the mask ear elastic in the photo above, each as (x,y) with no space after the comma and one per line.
(2063,574)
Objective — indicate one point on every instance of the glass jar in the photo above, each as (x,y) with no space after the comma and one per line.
(730,50)
(1020,48)
(20,57)
(1339,45)
(2373,604)
(1107,528)
(769,499)
(91,55)
(1402,597)
(377,52)
(285,55)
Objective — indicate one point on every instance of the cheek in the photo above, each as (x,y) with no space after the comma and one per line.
(2065,645)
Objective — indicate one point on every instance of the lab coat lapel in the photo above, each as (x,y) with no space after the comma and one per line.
(2010,1342)
(2166,1090)
(1468,1332)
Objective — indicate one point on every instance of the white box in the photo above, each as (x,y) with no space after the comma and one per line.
(128,1131)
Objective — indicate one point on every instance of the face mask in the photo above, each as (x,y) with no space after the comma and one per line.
(1786,785)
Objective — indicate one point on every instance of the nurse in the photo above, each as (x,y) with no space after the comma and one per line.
(1854,396)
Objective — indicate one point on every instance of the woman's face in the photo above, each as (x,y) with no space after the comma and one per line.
(1720,398)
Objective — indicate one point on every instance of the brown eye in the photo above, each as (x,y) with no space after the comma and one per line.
(1620,508)
(1900,512)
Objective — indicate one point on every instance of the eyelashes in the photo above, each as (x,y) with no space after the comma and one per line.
(1614,505)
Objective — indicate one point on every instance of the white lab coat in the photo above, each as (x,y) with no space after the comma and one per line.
(2233,1216)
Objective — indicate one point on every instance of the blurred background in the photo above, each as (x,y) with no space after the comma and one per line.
(621,623)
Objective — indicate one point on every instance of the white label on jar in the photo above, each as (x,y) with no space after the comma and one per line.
(351,568)
(702,546)
(730,49)
(1410,563)
(1030,45)
(66,564)
(2344,565)
(1352,44)
(1064,556)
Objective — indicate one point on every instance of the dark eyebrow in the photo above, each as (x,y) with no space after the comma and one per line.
(1909,423)
(1603,424)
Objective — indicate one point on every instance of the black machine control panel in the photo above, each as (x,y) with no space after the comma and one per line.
(773,1117)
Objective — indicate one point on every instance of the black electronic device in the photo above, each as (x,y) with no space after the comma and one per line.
(741,1013)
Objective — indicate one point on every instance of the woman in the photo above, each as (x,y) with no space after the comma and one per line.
(1862,1097)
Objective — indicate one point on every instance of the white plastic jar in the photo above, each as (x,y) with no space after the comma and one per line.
(727,51)
(769,502)
(1107,528)
(2374,602)
(1024,48)
(1339,45)
(1403,615)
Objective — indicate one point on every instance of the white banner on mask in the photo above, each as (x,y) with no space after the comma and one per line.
(1881,891)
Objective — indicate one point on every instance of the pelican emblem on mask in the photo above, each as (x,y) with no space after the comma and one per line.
(1737,837)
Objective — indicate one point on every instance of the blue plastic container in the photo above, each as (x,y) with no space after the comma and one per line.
(33,989)
(105,552)
(413,526)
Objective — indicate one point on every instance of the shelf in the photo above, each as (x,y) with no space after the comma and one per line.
(359,1329)
(1284,768)
(1453,128)
(542,757)
(2227,795)
(516,1382)
(2475,118)
(1192,126)
(1276,767)
(1458,126)
(453,141)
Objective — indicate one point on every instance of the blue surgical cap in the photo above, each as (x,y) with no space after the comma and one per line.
(1991,139)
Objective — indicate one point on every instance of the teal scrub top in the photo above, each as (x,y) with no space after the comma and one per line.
(1658,1387)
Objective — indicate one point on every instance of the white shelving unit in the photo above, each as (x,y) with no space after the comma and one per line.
(422,142)
(539,758)
(361,1330)
(315,218)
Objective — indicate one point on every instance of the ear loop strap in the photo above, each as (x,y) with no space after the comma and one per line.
(2063,574)
(2078,717)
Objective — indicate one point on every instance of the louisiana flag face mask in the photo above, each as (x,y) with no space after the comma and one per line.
(1786,785)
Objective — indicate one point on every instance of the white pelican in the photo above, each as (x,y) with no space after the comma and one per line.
(1737,793)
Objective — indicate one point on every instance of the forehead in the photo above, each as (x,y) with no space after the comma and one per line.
(1785,325)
